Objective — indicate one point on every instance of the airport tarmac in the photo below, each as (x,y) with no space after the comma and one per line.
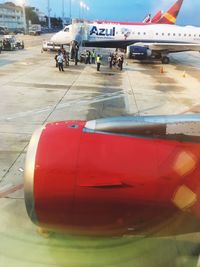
(34,92)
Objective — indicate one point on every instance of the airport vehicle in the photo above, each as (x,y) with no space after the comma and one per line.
(89,177)
(19,44)
(3,30)
(152,40)
(35,29)
(50,46)
(19,31)
(11,43)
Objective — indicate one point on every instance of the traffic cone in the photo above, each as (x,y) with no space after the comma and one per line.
(43,232)
(162,70)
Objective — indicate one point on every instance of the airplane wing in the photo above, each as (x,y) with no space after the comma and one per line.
(170,47)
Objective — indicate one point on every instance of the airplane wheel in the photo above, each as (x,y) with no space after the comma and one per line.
(165,60)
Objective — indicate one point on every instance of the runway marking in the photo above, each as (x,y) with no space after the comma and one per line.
(72,103)
(61,86)
(9,189)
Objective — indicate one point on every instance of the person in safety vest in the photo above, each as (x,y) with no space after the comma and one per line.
(98,62)
(93,56)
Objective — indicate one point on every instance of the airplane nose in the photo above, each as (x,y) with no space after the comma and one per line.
(54,37)
(60,38)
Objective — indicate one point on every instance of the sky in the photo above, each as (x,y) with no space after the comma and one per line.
(123,10)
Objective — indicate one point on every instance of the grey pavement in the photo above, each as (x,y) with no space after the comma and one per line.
(33,92)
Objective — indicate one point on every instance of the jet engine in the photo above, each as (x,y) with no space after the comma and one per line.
(138,52)
(113,176)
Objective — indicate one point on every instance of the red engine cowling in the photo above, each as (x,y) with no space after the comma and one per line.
(88,178)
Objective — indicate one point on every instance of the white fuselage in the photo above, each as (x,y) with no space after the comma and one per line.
(115,35)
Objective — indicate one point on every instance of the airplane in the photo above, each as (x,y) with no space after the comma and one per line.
(169,17)
(140,41)
(115,176)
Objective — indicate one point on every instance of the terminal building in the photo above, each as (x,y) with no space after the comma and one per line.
(11,16)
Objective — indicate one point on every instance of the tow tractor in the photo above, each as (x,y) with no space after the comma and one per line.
(9,43)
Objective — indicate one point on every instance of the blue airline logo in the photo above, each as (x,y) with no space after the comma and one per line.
(102,31)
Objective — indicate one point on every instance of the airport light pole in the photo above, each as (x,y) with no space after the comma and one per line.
(23,6)
(84,7)
(24,17)
(49,14)
(63,12)
(80,9)
(88,9)
(70,9)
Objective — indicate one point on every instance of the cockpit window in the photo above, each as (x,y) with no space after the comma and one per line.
(66,30)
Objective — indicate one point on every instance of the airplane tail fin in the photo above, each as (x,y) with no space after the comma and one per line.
(157,17)
(171,15)
(147,19)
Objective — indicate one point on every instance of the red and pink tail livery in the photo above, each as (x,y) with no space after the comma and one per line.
(171,15)
(157,17)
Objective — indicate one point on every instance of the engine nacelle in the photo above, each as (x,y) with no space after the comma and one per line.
(138,52)
(113,176)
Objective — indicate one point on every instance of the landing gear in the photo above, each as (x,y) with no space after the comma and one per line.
(165,60)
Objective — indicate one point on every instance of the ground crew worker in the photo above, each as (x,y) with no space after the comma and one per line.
(60,60)
(87,55)
(110,61)
(56,56)
(1,45)
(93,56)
(76,54)
(98,62)
(120,62)
(65,56)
